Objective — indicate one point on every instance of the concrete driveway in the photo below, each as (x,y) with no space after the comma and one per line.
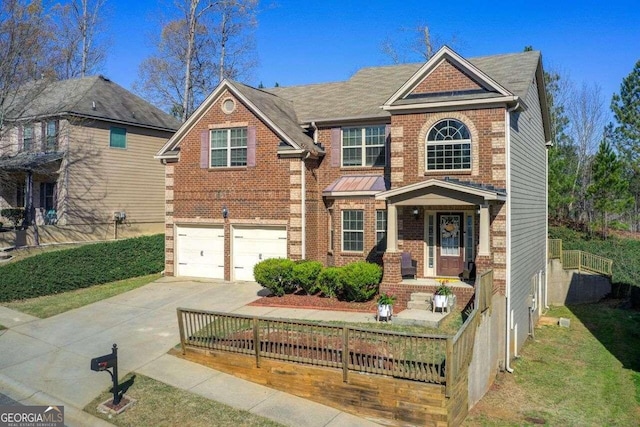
(52,356)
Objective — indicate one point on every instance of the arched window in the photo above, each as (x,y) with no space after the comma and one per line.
(448,146)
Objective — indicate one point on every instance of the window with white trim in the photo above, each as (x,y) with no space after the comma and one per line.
(448,146)
(51,135)
(353,230)
(381,230)
(228,147)
(364,146)
(27,138)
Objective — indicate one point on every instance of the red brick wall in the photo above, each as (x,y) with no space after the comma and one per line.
(252,195)
(262,194)
(446,77)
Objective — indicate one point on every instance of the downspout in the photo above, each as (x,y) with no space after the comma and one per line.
(303,198)
(509,314)
(548,146)
(303,190)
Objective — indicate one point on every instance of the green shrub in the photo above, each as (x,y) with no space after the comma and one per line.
(275,274)
(619,225)
(65,270)
(305,275)
(329,282)
(15,215)
(360,280)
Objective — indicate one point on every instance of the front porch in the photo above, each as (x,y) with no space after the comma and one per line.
(32,185)
(447,227)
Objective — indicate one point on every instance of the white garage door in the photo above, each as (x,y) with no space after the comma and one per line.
(200,251)
(252,245)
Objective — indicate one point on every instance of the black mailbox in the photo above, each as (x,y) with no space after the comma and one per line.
(103,362)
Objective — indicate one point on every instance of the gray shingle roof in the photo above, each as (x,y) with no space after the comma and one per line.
(77,97)
(281,112)
(368,89)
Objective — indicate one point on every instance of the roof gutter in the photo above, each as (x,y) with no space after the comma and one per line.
(485,102)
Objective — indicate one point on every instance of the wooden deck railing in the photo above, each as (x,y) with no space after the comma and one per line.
(411,356)
(555,248)
(484,291)
(579,260)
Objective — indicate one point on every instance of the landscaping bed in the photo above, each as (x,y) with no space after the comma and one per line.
(317,302)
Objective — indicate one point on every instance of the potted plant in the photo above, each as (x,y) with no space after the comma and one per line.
(441,295)
(385,306)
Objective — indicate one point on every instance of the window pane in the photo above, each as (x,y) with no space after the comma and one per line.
(238,137)
(219,139)
(27,138)
(374,135)
(352,156)
(351,137)
(218,158)
(118,138)
(353,230)
(381,230)
(375,156)
(238,157)
(448,146)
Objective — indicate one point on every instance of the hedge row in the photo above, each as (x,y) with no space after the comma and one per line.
(354,282)
(88,265)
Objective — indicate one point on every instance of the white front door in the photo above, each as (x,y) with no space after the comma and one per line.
(200,251)
(252,245)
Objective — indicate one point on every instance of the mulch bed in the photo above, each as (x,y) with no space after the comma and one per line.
(316,302)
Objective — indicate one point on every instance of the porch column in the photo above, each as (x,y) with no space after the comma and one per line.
(484,248)
(392,228)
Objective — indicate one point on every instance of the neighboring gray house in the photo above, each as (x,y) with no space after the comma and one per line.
(82,151)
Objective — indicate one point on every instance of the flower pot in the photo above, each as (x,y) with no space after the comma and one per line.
(385,311)
(440,301)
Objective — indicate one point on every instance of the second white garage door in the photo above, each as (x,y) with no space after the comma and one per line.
(252,245)
(200,251)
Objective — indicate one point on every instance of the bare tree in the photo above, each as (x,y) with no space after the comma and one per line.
(23,41)
(80,47)
(418,44)
(585,110)
(209,41)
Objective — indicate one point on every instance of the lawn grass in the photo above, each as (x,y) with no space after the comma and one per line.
(51,305)
(159,404)
(586,375)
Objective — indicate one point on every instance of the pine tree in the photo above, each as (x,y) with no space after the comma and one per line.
(626,109)
(609,190)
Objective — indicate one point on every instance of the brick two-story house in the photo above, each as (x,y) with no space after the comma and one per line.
(445,160)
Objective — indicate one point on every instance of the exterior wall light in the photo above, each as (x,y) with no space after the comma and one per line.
(225,212)
(416,212)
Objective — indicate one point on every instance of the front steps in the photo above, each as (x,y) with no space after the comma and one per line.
(419,312)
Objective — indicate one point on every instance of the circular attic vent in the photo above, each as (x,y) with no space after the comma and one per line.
(228,105)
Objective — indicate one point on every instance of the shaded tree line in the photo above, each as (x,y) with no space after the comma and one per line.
(594,166)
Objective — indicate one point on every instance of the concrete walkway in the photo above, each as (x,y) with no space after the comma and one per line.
(46,361)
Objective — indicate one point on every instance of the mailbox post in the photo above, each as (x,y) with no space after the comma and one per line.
(103,363)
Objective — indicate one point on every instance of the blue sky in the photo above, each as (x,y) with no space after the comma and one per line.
(320,41)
